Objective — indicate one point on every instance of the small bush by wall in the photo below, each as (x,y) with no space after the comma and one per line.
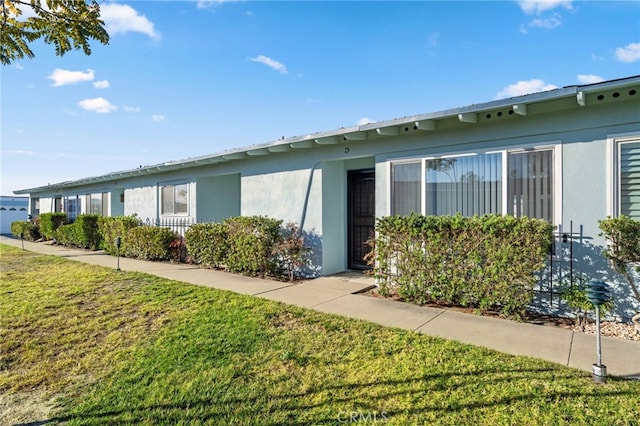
(112,227)
(251,242)
(30,231)
(486,262)
(49,222)
(148,242)
(207,244)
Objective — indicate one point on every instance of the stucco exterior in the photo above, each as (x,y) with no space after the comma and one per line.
(305,179)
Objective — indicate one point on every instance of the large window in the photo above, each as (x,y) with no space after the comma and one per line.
(519,183)
(175,199)
(628,179)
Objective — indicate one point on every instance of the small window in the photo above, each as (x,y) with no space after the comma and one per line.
(175,199)
(629,179)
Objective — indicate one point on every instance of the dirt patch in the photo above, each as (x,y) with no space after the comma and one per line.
(33,408)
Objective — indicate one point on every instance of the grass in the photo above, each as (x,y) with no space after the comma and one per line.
(119,347)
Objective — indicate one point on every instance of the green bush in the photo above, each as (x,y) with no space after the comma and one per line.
(575,295)
(251,242)
(30,231)
(486,262)
(148,242)
(207,244)
(49,222)
(65,235)
(112,227)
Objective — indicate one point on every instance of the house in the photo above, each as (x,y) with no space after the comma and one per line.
(570,156)
(12,209)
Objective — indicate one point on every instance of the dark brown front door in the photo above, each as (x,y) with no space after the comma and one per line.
(362,215)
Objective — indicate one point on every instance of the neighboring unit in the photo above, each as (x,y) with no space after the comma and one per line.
(570,156)
(12,209)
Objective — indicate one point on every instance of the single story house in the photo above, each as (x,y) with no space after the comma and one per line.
(570,156)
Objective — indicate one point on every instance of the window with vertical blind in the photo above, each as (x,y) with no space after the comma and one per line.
(629,179)
(520,183)
(469,185)
(406,191)
(530,184)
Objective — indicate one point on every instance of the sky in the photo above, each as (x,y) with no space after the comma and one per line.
(182,79)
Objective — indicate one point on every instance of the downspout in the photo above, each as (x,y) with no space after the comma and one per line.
(306,197)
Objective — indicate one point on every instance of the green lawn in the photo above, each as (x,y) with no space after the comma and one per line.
(119,347)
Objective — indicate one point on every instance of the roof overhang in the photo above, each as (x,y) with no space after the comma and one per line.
(583,95)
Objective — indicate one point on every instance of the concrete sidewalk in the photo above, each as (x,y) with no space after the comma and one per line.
(338,295)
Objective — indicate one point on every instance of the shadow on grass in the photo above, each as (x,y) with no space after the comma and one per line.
(363,396)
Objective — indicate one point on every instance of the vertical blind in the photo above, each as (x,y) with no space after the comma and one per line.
(469,185)
(406,188)
(629,179)
(530,184)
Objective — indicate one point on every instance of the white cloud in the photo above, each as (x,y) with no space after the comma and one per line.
(122,18)
(128,108)
(18,66)
(539,6)
(546,23)
(62,77)
(209,4)
(629,53)
(20,152)
(595,57)
(433,39)
(524,88)
(97,105)
(271,63)
(102,84)
(157,117)
(589,79)
(365,120)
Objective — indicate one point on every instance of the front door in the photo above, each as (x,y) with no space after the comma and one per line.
(362,215)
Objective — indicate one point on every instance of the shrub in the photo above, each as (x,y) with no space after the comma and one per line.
(112,227)
(65,235)
(251,242)
(207,244)
(86,231)
(623,251)
(487,262)
(290,252)
(30,231)
(575,295)
(148,242)
(49,222)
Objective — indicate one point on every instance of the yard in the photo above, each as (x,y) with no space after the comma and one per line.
(89,345)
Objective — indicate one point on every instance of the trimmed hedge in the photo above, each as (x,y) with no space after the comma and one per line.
(112,227)
(30,231)
(148,242)
(83,232)
(207,244)
(486,262)
(49,222)
(251,242)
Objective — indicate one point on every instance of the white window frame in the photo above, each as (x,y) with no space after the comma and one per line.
(161,200)
(614,142)
(555,146)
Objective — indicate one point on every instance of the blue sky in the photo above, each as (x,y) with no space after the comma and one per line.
(181,79)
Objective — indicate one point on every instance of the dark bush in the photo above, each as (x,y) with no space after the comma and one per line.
(251,243)
(112,227)
(207,244)
(49,222)
(486,262)
(30,231)
(148,242)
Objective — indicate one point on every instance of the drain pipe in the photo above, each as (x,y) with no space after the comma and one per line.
(306,197)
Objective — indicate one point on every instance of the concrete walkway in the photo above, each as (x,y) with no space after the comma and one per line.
(338,295)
